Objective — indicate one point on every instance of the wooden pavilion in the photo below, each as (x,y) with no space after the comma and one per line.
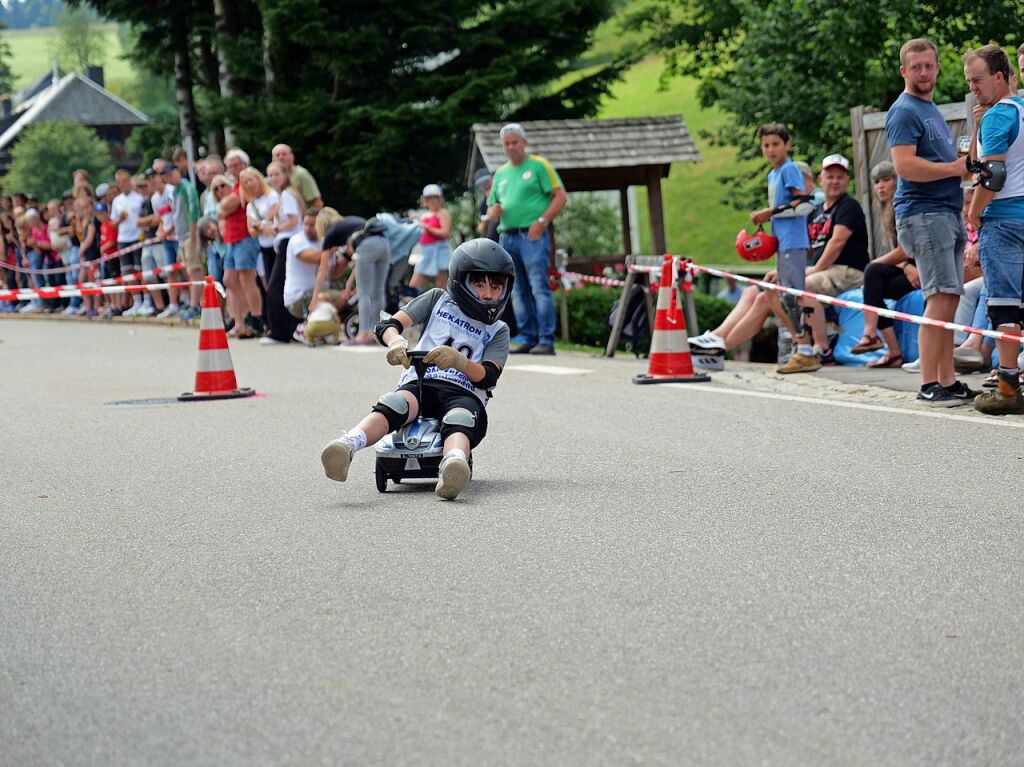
(596,155)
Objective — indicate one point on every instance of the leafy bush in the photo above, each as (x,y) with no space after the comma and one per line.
(589,226)
(590,306)
(47,153)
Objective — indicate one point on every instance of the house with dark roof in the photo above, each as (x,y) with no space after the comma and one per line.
(595,155)
(75,97)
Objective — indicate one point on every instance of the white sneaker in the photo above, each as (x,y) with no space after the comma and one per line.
(300,333)
(336,458)
(69,310)
(710,362)
(170,311)
(912,367)
(30,308)
(707,341)
(131,311)
(146,310)
(82,310)
(453,476)
(268,341)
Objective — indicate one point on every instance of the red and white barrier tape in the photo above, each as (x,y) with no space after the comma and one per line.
(130,278)
(996,334)
(62,269)
(571,279)
(98,290)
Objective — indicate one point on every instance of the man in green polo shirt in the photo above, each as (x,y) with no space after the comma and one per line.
(526,195)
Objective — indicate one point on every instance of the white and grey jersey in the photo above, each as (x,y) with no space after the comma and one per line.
(444,324)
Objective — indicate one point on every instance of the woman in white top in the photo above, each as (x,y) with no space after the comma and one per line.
(285,221)
(259,201)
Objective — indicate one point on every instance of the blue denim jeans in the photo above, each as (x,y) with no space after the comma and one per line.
(74,260)
(36,262)
(215,264)
(531,292)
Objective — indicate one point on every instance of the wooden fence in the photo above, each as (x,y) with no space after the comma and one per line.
(870,148)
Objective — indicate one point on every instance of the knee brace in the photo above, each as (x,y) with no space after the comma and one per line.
(395,408)
(457,420)
(1001,314)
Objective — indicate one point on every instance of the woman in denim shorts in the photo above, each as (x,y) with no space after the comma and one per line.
(434,251)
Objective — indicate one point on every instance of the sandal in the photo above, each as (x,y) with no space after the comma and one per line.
(867,344)
(992,381)
(887,361)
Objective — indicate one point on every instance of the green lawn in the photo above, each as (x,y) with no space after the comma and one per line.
(32,56)
(697,222)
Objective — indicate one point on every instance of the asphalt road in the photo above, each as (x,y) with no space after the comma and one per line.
(656,575)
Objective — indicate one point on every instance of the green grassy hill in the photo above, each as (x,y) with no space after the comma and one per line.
(32,56)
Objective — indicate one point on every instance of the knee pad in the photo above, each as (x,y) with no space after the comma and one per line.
(395,408)
(457,420)
(1001,314)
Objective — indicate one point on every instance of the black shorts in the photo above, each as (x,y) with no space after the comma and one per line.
(130,262)
(112,268)
(440,397)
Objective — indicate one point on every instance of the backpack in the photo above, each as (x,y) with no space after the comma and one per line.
(636,331)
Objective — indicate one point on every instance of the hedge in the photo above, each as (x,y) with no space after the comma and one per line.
(590,307)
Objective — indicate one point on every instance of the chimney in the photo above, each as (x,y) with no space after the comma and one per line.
(5,107)
(95,74)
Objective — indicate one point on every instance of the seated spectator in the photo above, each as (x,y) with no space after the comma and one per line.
(890,276)
(731,292)
(839,253)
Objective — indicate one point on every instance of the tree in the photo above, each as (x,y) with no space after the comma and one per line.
(385,105)
(46,153)
(79,43)
(807,63)
(6,75)
(590,226)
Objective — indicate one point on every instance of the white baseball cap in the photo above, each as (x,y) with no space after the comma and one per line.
(835,159)
(432,190)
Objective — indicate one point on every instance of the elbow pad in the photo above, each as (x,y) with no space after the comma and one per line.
(383,325)
(492,371)
(992,175)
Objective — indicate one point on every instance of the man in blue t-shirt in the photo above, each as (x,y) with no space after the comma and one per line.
(997,212)
(928,220)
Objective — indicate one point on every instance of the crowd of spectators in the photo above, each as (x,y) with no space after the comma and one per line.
(268,238)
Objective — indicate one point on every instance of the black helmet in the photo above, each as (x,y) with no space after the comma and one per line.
(479,256)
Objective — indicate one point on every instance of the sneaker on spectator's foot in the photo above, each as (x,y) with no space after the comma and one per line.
(91,313)
(170,311)
(300,333)
(452,478)
(827,358)
(336,458)
(131,311)
(713,362)
(800,363)
(707,341)
(268,341)
(82,310)
(543,349)
(146,310)
(962,391)
(30,308)
(188,313)
(937,395)
(967,360)
(69,310)
(1000,401)
(521,349)
(912,367)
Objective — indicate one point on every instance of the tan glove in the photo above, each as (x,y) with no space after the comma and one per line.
(397,352)
(446,357)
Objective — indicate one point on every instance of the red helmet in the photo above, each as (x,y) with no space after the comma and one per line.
(758,246)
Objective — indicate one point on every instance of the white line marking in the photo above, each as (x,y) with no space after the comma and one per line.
(554,370)
(979,420)
(360,349)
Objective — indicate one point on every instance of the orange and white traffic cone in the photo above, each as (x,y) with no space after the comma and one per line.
(215,375)
(670,352)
